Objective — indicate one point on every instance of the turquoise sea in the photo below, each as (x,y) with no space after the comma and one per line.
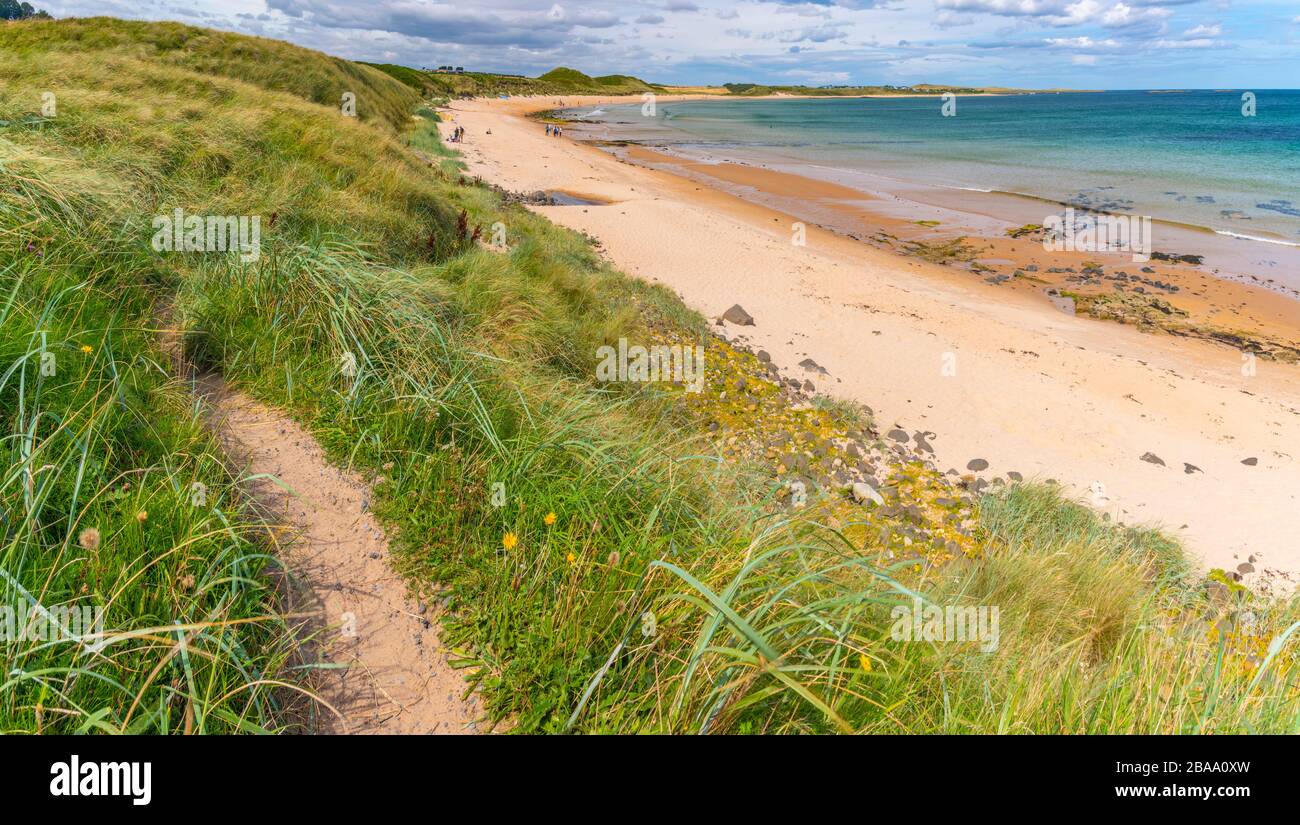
(1189,157)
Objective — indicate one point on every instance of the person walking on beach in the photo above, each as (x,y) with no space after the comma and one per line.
(548,130)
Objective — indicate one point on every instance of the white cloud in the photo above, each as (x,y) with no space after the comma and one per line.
(1082,43)
(946,19)
(1065,13)
(1054,12)
(1122,15)
(814,34)
(816,78)
(1199,43)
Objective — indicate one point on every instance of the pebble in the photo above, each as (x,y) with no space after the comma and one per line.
(862,493)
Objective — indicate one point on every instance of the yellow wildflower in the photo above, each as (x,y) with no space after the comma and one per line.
(549,519)
(865,661)
(570,558)
(88,349)
(509,540)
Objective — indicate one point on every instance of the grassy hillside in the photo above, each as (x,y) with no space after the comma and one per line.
(269,64)
(558,81)
(643,573)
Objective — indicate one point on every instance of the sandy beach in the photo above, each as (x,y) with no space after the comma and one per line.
(993,371)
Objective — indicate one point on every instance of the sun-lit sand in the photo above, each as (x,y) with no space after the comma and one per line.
(995,373)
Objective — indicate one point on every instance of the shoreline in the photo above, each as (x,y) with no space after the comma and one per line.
(1035,391)
(1258,316)
(1230,253)
(1231,244)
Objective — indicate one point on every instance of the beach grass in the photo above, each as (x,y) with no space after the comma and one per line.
(605,564)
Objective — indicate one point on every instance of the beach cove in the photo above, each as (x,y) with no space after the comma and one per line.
(1151,429)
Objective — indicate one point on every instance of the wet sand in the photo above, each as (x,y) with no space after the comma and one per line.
(935,216)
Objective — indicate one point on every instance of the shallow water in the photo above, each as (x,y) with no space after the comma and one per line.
(1189,157)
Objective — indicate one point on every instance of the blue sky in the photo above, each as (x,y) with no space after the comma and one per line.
(1110,44)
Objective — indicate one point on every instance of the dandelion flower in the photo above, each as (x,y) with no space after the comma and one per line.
(509,540)
(549,519)
(570,558)
(142,516)
(865,661)
(87,348)
(89,539)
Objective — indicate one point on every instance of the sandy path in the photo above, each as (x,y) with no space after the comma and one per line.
(995,374)
(387,672)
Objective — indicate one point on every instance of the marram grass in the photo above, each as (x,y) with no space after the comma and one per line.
(623,576)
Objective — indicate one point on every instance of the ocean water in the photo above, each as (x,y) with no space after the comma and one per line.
(1188,157)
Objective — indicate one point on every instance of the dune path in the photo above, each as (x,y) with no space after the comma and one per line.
(376,651)
(385,670)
